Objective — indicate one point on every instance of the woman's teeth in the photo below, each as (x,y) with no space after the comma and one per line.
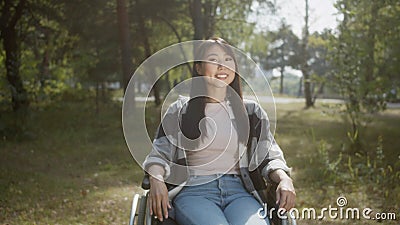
(221,76)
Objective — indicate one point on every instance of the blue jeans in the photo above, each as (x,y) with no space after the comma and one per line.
(223,201)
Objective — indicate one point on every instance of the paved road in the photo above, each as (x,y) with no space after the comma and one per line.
(279,100)
(264,99)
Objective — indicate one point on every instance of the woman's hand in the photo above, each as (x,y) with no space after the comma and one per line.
(158,198)
(285,193)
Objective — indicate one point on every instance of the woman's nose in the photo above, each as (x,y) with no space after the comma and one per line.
(220,64)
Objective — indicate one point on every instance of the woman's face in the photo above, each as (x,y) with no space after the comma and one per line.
(220,66)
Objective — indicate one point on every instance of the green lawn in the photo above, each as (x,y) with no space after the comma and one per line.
(76,169)
(301,133)
(74,166)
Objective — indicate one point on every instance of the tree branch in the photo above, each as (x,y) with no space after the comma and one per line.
(179,40)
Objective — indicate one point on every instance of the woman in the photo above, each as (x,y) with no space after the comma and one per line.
(222,135)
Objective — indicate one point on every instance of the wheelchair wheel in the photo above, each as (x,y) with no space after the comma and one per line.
(142,210)
(134,207)
(148,219)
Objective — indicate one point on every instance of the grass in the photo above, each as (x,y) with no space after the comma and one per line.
(75,168)
(301,133)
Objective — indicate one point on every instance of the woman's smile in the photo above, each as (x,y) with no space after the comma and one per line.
(221,76)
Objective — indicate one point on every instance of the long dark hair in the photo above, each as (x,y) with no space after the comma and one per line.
(198,98)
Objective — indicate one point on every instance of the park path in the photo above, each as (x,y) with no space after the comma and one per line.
(280,100)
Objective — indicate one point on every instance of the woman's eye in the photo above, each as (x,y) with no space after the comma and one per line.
(212,59)
(228,59)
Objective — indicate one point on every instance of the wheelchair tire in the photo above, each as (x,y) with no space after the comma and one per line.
(142,210)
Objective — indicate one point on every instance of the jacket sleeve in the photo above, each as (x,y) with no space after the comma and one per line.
(267,154)
(164,145)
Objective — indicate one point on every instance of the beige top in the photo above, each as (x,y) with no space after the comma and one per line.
(218,150)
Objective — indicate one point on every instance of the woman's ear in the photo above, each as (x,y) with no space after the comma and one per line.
(198,68)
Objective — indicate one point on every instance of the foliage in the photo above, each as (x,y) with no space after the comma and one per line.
(316,146)
(329,168)
(283,51)
(373,169)
(319,62)
(364,59)
(43,42)
(69,43)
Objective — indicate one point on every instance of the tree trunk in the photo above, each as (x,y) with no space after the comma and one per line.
(307,89)
(19,95)
(147,52)
(281,86)
(197,19)
(304,66)
(282,67)
(168,84)
(9,34)
(125,45)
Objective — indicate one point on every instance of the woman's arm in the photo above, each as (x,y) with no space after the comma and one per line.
(165,142)
(157,163)
(276,169)
(158,195)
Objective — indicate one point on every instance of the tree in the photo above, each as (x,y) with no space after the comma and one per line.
(150,19)
(227,19)
(33,40)
(282,51)
(320,64)
(305,69)
(171,18)
(125,45)
(95,59)
(365,59)
(11,13)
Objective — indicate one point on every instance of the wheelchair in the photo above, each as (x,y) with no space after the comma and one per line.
(140,213)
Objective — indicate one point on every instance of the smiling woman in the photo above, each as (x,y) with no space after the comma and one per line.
(213,136)
(219,65)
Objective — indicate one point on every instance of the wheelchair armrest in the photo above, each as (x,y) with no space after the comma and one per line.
(146,182)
